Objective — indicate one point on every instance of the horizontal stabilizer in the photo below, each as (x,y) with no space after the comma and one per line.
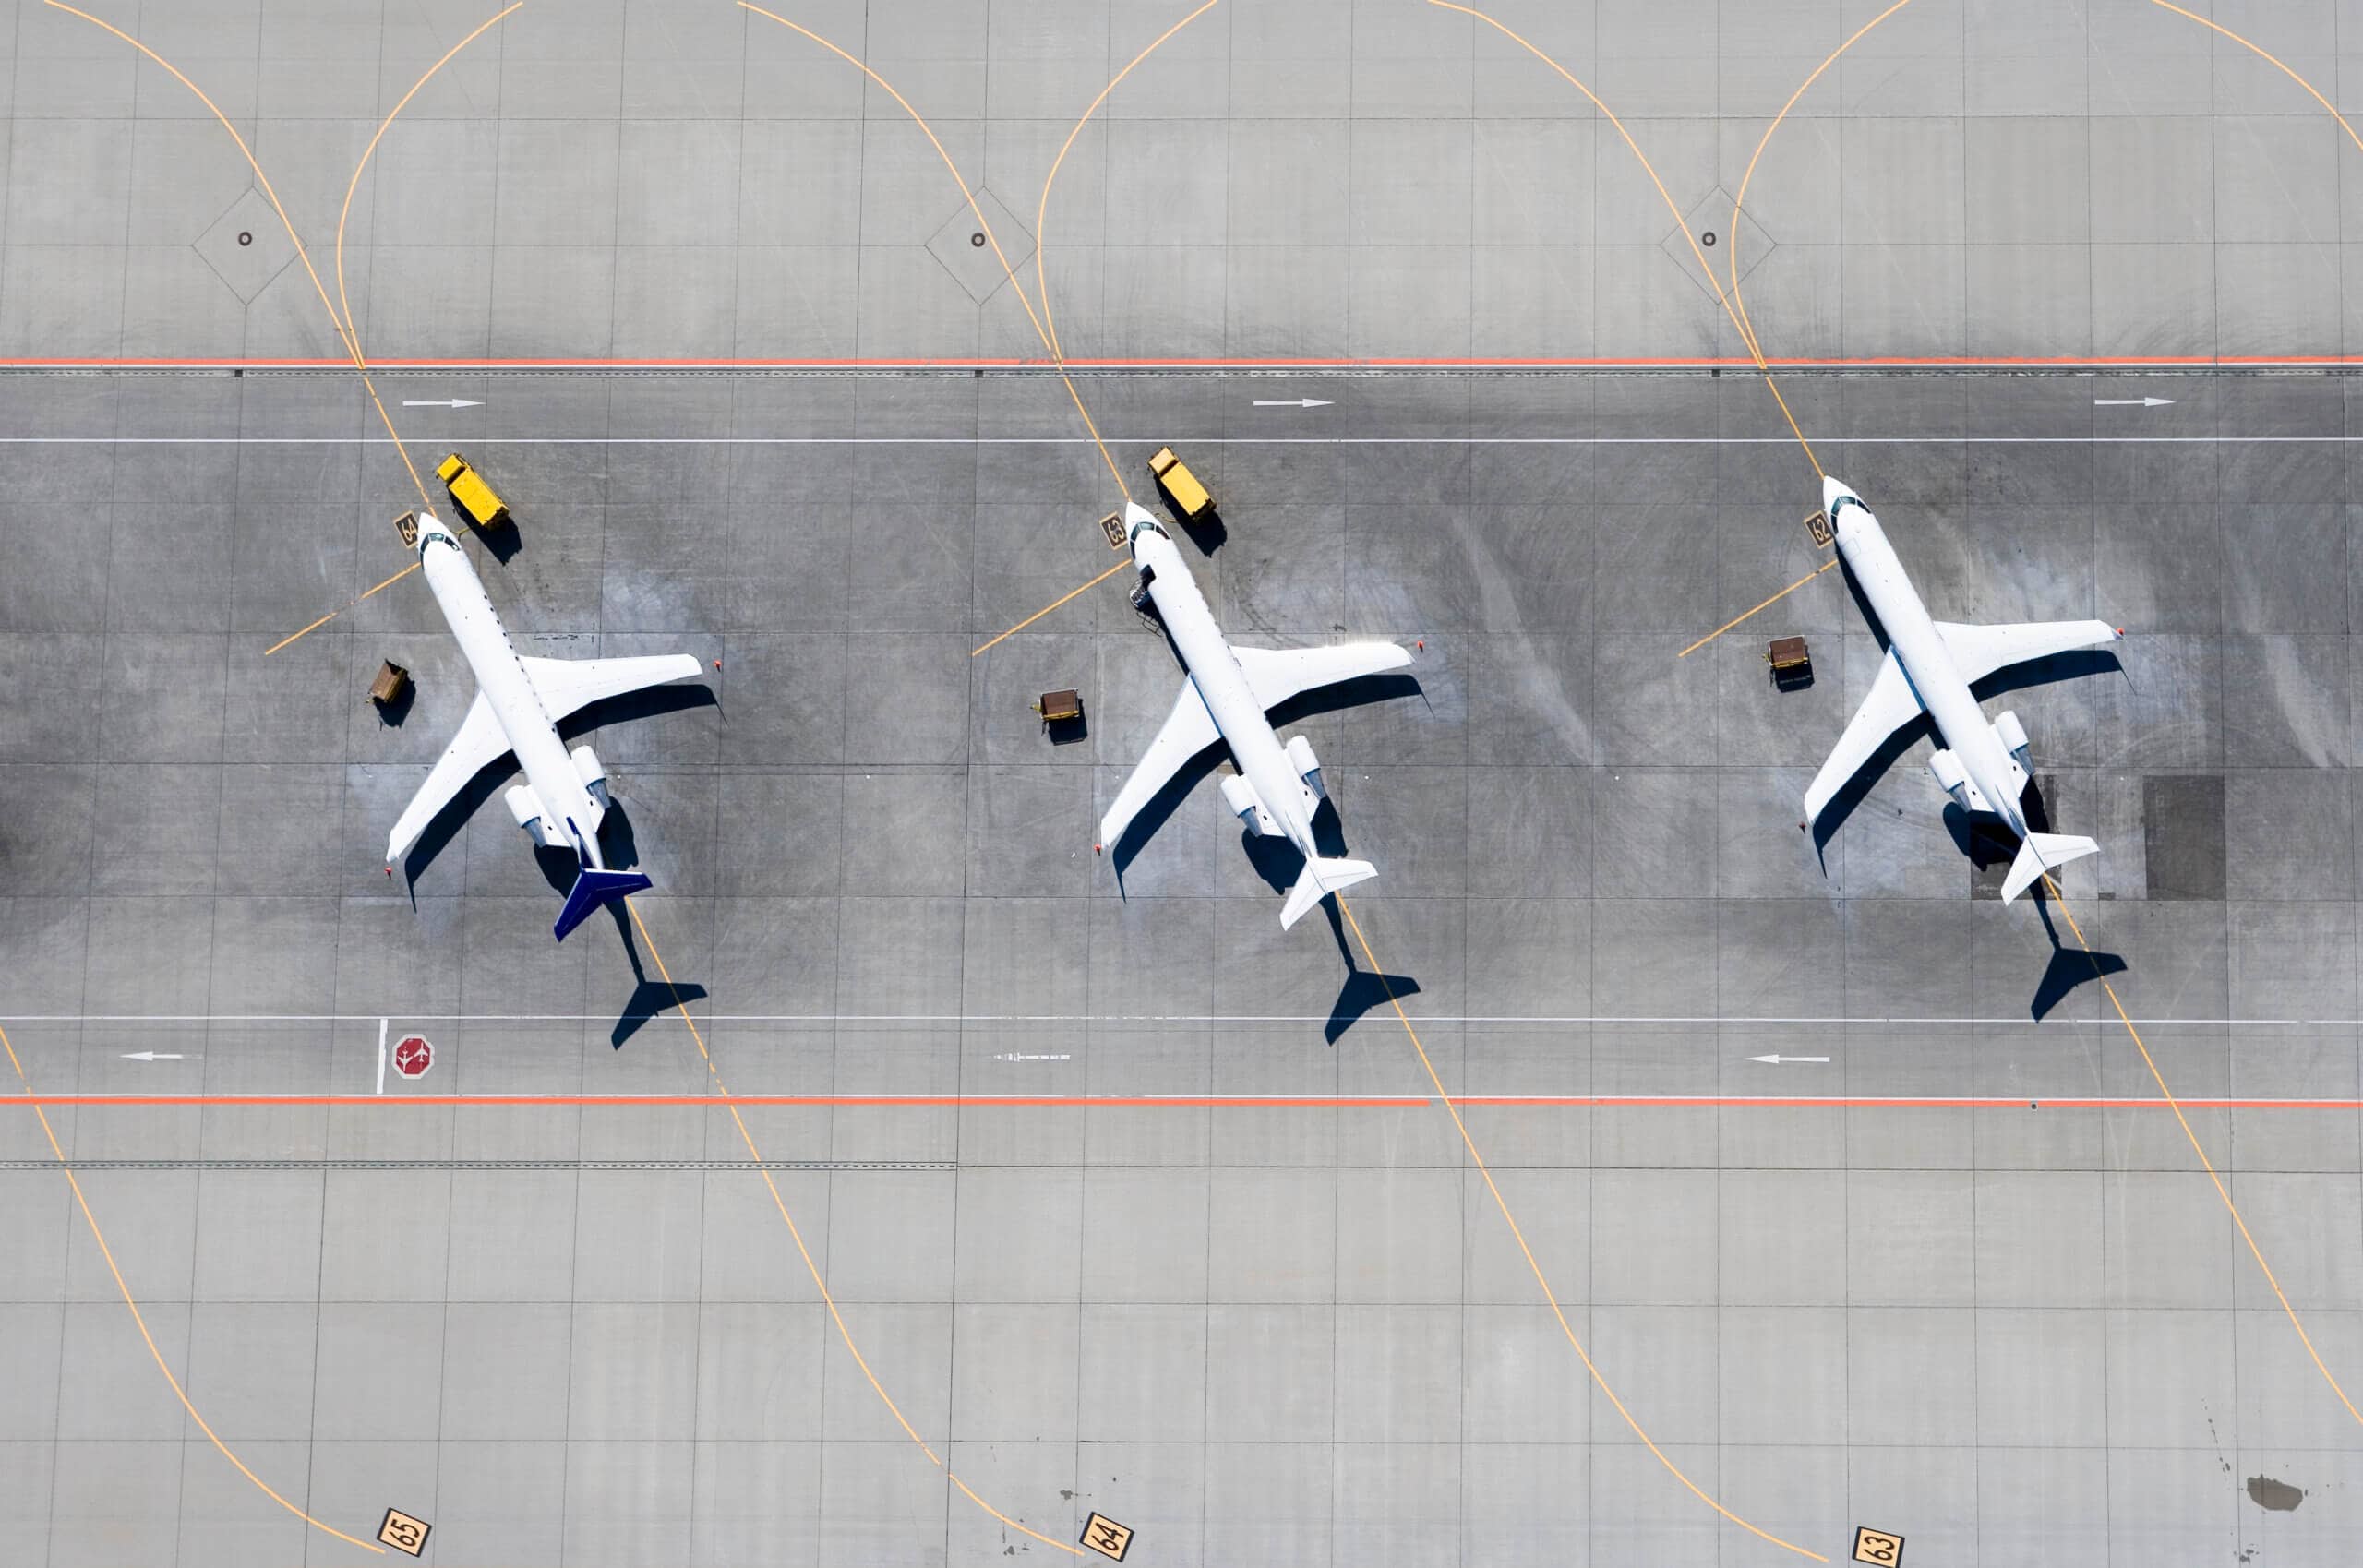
(592,888)
(2039,853)
(1317,881)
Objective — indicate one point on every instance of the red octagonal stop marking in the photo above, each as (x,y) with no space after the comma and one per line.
(412,1056)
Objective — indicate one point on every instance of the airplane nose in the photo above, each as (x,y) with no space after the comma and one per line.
(1831,491)
(1135,515)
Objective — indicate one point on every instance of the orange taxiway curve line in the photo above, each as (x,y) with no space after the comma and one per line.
(1042,207)
(353,333)
(264,181)
(819,1283)
(1533,1264)
(1739,199)
(140,1319)
(2197,1148)
(1705,269)
(983,226)
(371,151)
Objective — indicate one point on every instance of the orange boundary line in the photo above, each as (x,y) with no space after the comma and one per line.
(1227,1101)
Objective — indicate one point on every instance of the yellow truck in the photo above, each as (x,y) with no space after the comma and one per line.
(1180,486)
(471,494)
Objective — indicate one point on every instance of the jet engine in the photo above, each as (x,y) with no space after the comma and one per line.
(1307,765)
(2013,736)
(527,806)
(1239,795)
(1952,777)
(593,775)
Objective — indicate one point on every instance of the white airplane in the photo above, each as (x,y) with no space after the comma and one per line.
(519,701)
(1928,668)
(1225,693)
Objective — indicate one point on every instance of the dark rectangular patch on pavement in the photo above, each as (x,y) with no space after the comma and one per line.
(2182,835)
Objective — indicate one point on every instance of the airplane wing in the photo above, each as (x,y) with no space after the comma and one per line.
(1188,730)
(567,686)
(1277,674)
(1979,650)
(480,741)
(1891,705)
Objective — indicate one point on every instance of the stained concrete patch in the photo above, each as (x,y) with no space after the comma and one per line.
(2182,835)
(2278,1496)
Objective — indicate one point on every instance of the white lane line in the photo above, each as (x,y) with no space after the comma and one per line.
(2019,1019)
(381,1056)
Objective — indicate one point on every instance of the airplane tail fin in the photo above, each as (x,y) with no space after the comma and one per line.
(1318,881)
(2039,853)
(592,888)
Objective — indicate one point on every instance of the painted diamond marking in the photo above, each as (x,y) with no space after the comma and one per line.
(1712,215)
(247,266)
(960,244)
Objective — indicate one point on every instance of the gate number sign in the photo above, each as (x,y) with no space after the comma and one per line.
(404,1533)
(1878,1546)
(1106,1538)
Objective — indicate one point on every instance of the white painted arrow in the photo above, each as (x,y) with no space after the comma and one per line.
(153,1056)
(1776,1061)
(441,402)
(1292,402)
(2131,403)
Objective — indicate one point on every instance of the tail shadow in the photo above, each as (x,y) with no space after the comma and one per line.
(649,997)
(2068,968)
(1363,992)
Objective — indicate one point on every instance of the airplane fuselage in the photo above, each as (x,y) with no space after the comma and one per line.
(509,691)
(1223,686)
(1994,776)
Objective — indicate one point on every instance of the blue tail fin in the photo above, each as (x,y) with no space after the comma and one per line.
(591,889)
